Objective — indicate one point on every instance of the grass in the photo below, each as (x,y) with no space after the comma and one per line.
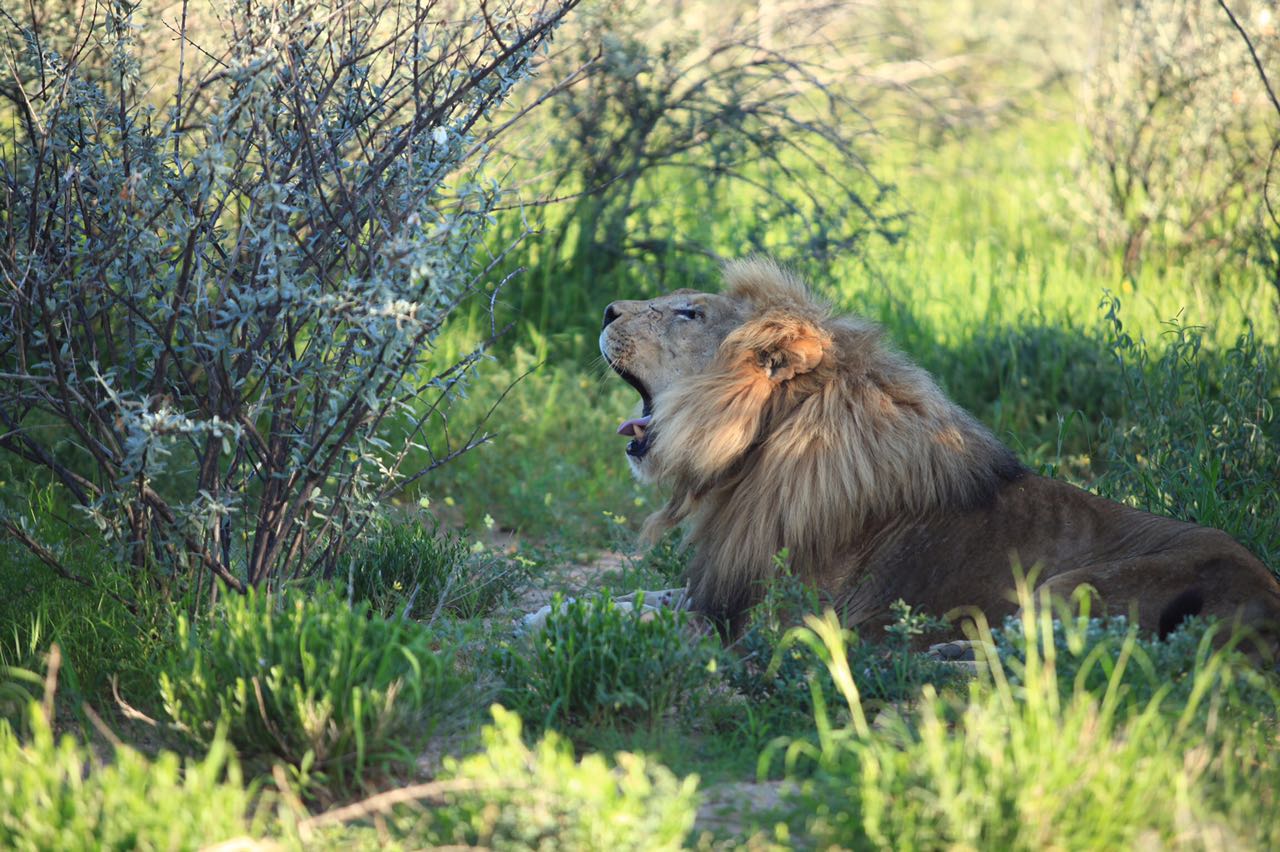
(336,694)
(554,452)
(57,794)
(1028,759)
(521,794)
(416,569)
(102,639)
(992,290)
(595,664)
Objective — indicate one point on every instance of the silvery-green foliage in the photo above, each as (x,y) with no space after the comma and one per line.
(1178,131)
(223,261)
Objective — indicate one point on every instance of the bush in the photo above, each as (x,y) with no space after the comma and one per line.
(412,571)
(595,664)
(1179,130)
(56,795)
(328,689)
(1199,439)
(230,281)
(539,797)
(676,125)
(1034,763)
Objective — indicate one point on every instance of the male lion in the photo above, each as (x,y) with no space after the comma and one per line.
(778,424)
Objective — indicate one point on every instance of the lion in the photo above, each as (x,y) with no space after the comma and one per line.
(777,423)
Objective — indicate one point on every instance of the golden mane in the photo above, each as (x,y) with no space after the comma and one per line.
(809,432)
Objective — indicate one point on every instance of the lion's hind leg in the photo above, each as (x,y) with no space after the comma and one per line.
(1164,590)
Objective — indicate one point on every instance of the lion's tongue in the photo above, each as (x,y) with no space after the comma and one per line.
(635,428)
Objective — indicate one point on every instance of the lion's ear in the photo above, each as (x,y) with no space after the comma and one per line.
(782,346)
(704,423)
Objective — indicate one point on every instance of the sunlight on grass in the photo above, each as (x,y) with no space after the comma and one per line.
(1029,762)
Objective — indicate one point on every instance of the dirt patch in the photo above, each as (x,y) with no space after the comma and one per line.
(739,809)
(572,579)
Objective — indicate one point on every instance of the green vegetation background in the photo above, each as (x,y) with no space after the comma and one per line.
(1155,389)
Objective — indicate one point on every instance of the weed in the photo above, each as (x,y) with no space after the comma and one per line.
(58,795)
(334,692)
(596,664)
(412,570)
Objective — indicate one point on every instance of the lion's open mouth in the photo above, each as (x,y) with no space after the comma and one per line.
(637,428)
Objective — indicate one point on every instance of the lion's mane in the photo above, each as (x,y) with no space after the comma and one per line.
(809,432)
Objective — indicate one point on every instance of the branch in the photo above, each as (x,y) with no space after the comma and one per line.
(1262,74)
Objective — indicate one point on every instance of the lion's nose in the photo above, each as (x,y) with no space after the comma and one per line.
(611,313)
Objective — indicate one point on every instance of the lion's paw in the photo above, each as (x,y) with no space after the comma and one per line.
(959,651)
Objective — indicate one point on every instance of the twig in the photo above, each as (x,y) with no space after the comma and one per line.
(383,802)
(129,711)
(1266,83)
(51,682)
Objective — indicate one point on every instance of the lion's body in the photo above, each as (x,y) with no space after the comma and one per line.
(1162,568)
(779,425)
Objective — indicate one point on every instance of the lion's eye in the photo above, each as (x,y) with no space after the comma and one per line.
(688,313)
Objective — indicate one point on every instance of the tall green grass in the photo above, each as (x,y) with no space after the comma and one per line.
(594,664)
(56,794)
(337,695)
(102,639)
(514,794)
(1033,762)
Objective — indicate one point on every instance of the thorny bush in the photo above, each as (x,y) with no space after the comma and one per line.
(218,292)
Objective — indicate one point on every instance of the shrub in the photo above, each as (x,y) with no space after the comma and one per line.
(56,795)
(328,689)
(222,286)
(1199,439)
(1036,763)
(412,571)
(1179,130)
(713,111)
(594,663)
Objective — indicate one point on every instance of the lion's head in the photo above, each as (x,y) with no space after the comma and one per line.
(673,349)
